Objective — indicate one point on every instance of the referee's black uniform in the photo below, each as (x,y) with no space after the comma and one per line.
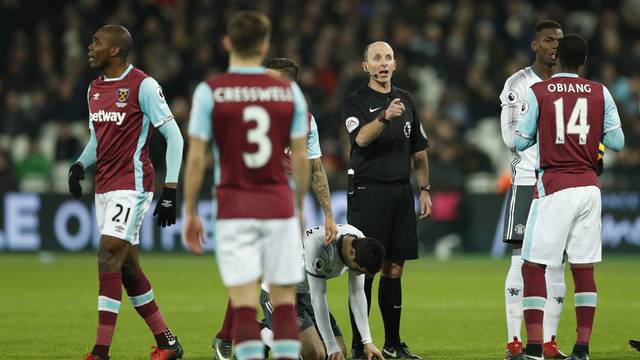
(382,203)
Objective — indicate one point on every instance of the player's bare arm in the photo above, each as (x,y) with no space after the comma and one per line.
(370,132)
(421,171)
(300,168)
(320,188)
(192,228)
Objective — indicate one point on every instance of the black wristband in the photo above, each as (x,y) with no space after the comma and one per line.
(169,191)
(426,188)
(382,118)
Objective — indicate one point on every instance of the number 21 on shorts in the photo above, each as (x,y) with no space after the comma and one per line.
(119,216)
(577,123)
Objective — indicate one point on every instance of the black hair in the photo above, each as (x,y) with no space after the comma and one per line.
(572,51)
(369,253)
(120,37)
(546,24)
(288,67)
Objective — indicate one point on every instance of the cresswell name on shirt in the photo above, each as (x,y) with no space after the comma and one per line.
(252,93)
(110,116)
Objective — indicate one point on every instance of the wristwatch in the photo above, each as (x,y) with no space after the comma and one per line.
(426,188)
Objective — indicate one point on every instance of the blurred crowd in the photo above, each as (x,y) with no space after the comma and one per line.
(453,55)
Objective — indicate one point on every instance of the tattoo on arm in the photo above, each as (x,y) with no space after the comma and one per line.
(320,186)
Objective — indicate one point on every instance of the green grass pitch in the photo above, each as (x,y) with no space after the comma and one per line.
(451,310)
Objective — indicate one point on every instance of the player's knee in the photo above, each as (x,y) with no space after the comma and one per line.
(392,269)
(110,259)
(314,352)
(108,262)
(130,271)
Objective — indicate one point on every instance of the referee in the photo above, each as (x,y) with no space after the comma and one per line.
(386,135)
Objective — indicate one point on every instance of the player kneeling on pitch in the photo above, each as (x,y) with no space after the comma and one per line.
(352,252)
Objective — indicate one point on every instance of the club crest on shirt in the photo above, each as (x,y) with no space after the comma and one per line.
(407,129)
(322,261)
(121,97)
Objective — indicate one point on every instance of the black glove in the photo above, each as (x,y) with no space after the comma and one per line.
(76,173)
(166,207)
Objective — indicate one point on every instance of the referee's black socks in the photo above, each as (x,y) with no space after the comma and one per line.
(390,302)
(356,339)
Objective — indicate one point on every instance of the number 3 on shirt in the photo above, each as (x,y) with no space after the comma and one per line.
(577,121)
(258,136)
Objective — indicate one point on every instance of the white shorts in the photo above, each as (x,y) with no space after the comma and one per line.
(252,248)
(566,221)
(120,213)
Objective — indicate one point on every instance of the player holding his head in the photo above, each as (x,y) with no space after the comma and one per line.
(545,44)
(123,104)
(289,70)
(567,117)
(253,117)
(350,252)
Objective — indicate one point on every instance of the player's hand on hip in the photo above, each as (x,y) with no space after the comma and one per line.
(166,208)
(395,109)
(76,173)
(193,233)
(372,352)
(330,230)
(338,355)
(425,205)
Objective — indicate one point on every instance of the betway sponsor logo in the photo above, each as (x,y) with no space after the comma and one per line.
(100,116)
(252,94)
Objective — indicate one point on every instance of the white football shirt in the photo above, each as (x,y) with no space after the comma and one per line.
(512,100)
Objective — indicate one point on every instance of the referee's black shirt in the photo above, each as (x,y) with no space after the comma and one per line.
(388,157)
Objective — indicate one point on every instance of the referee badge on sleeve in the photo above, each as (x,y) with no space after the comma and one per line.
(351,123)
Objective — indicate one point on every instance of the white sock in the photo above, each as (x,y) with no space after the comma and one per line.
(514,289)
(556,290)
(267,336)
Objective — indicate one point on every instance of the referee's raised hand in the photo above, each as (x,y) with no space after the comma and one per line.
(395,109)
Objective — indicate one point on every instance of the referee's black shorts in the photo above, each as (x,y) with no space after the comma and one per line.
(386,212)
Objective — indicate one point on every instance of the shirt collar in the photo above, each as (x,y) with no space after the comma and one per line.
(246,70)
(339,242)
(125,73)
(564,74)
(393,93)
(533,69)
